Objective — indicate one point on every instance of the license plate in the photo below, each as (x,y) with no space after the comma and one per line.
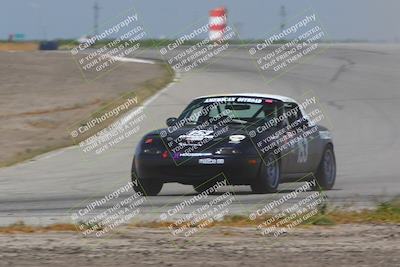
(211,161)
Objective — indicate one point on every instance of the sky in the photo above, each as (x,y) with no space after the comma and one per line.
(370,20)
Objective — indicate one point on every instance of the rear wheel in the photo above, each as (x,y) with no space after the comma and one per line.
(326,173)
(269,176)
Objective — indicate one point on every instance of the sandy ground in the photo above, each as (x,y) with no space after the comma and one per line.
(343,245)
(43,93)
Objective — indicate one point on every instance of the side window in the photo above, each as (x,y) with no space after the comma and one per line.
(195,112)
(293,112)
(192,114)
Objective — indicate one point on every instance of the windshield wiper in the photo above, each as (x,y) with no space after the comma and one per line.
(238,121)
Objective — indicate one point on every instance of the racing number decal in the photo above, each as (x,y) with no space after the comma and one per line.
(302,150)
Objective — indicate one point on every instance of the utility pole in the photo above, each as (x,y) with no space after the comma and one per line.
(238,27)
(96,9)
(283,17)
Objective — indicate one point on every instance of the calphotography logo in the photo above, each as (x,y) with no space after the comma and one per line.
(289,210)
(104,215)
(102,51)
(298,133)
(289,46)
(195,134)
(106,130)
(201,211)
(194,49)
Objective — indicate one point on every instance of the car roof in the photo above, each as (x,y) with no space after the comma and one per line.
(277,97)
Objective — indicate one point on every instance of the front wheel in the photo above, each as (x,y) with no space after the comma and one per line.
(269,176)
(326,173)
(146,187)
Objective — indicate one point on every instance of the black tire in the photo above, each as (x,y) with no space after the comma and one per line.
(146,187)
(326,173)
(268,177)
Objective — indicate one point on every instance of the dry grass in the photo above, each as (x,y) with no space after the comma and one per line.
(142,93)
(385,213)
(46,111)
(22,228)
(22,46)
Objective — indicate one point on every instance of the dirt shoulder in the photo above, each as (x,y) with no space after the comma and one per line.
(42,94)
(341,245)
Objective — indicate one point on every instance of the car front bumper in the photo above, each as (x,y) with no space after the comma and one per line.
(236,169)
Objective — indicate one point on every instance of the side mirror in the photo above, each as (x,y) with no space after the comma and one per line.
(310,123)
(171,121)
(306,122)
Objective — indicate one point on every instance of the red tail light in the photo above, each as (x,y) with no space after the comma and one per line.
(148,141)
(164,154)
(252,161)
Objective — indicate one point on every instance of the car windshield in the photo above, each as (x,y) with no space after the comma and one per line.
(233,110)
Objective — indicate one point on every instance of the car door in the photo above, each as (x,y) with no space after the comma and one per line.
(302,139)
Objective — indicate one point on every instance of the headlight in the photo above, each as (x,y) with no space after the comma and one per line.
(227,151)
(325,135)
(148,140)
(152,151)
(236,138)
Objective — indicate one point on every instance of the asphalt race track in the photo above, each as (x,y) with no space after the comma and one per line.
(357,84)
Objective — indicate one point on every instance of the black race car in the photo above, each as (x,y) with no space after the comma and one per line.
(244,139)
